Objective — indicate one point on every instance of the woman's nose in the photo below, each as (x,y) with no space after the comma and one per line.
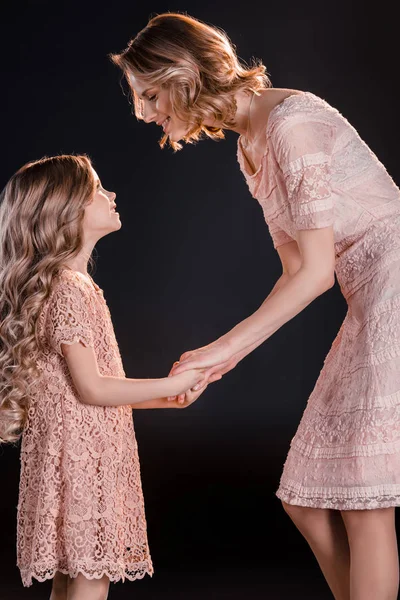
(148,115)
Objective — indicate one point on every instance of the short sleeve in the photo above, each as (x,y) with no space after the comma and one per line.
(304,154)
(279,237)
(70,316)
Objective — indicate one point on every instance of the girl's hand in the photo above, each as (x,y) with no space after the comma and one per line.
(183,382)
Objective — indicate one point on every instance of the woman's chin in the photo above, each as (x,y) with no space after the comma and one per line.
(177,136)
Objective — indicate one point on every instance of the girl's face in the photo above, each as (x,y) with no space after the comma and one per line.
(157,108)
(100,215)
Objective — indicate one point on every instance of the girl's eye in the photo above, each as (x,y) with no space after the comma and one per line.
(152,98)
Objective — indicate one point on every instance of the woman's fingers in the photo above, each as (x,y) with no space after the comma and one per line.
(170,398)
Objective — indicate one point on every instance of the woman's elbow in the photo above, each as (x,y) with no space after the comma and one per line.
(320,282)
(326,282)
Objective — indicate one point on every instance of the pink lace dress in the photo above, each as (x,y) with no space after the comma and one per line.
(317,172)
(80,507)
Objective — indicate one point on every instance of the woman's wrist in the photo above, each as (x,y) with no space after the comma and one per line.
(232,343)
(241,339)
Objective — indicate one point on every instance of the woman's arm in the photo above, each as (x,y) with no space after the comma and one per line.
(290,258)
(314,276)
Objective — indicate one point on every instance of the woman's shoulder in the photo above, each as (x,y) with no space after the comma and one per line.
(301,107)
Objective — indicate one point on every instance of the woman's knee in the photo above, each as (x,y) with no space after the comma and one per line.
(299,513)
(311,521)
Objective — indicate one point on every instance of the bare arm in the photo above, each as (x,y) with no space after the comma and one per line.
(290,257)
(291,295)
(94,388)
(314,275)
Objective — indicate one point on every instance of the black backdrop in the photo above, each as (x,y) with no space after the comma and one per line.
(192,259)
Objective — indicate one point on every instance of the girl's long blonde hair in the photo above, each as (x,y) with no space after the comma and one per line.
(41,214)
(199,66)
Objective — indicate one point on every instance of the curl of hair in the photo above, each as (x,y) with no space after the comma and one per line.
(41,214)
(199,66)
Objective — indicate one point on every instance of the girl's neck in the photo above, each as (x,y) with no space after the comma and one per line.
(80,261)
(78,264)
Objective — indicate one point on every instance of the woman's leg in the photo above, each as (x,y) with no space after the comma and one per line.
(326,535)
(374,573)
(59,587)
(81,588)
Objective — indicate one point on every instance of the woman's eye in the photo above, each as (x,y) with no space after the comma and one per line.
(152,98)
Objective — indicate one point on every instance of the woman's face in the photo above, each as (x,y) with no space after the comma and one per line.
(157,108)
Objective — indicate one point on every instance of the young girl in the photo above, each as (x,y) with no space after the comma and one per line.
(331,207)
(81,518)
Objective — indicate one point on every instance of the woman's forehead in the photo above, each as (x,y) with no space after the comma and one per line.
(138,85)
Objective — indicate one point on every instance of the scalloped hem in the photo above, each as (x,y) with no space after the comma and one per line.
(336,503)
(28,576)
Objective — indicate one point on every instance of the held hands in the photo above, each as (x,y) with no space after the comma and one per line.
(214,360)
(189,385)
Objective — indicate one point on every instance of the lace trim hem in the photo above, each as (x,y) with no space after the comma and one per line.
(141,569)
(341,498)
(335,503)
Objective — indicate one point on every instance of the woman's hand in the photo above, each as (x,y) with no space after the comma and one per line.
(213,373)
(219,352)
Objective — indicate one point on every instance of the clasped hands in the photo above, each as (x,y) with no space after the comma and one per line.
(213,361)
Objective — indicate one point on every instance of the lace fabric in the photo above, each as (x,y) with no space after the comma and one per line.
(317,172)
(80,506)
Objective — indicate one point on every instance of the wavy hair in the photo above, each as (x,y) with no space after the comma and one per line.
(199,66)
(41,214)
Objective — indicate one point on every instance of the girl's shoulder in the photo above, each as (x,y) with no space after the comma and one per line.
(70,288)
(69,279)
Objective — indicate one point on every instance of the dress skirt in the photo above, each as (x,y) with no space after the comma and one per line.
(345,454)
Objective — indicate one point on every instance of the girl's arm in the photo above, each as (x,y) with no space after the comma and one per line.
(188,399)
(94,388)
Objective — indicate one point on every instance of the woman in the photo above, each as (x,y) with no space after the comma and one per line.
(331,207)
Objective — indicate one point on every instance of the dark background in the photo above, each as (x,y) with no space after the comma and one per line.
(192,259)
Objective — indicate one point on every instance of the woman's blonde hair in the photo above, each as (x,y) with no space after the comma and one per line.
(41,214)
(199,66)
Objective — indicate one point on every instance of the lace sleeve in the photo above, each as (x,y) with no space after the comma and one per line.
(279,237)
(304,153)
(69,316)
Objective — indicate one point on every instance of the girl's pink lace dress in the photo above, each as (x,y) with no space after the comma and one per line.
(317,172)
(80,507)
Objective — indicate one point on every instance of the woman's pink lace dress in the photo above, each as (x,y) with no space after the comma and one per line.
(80,507)
(317,172)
